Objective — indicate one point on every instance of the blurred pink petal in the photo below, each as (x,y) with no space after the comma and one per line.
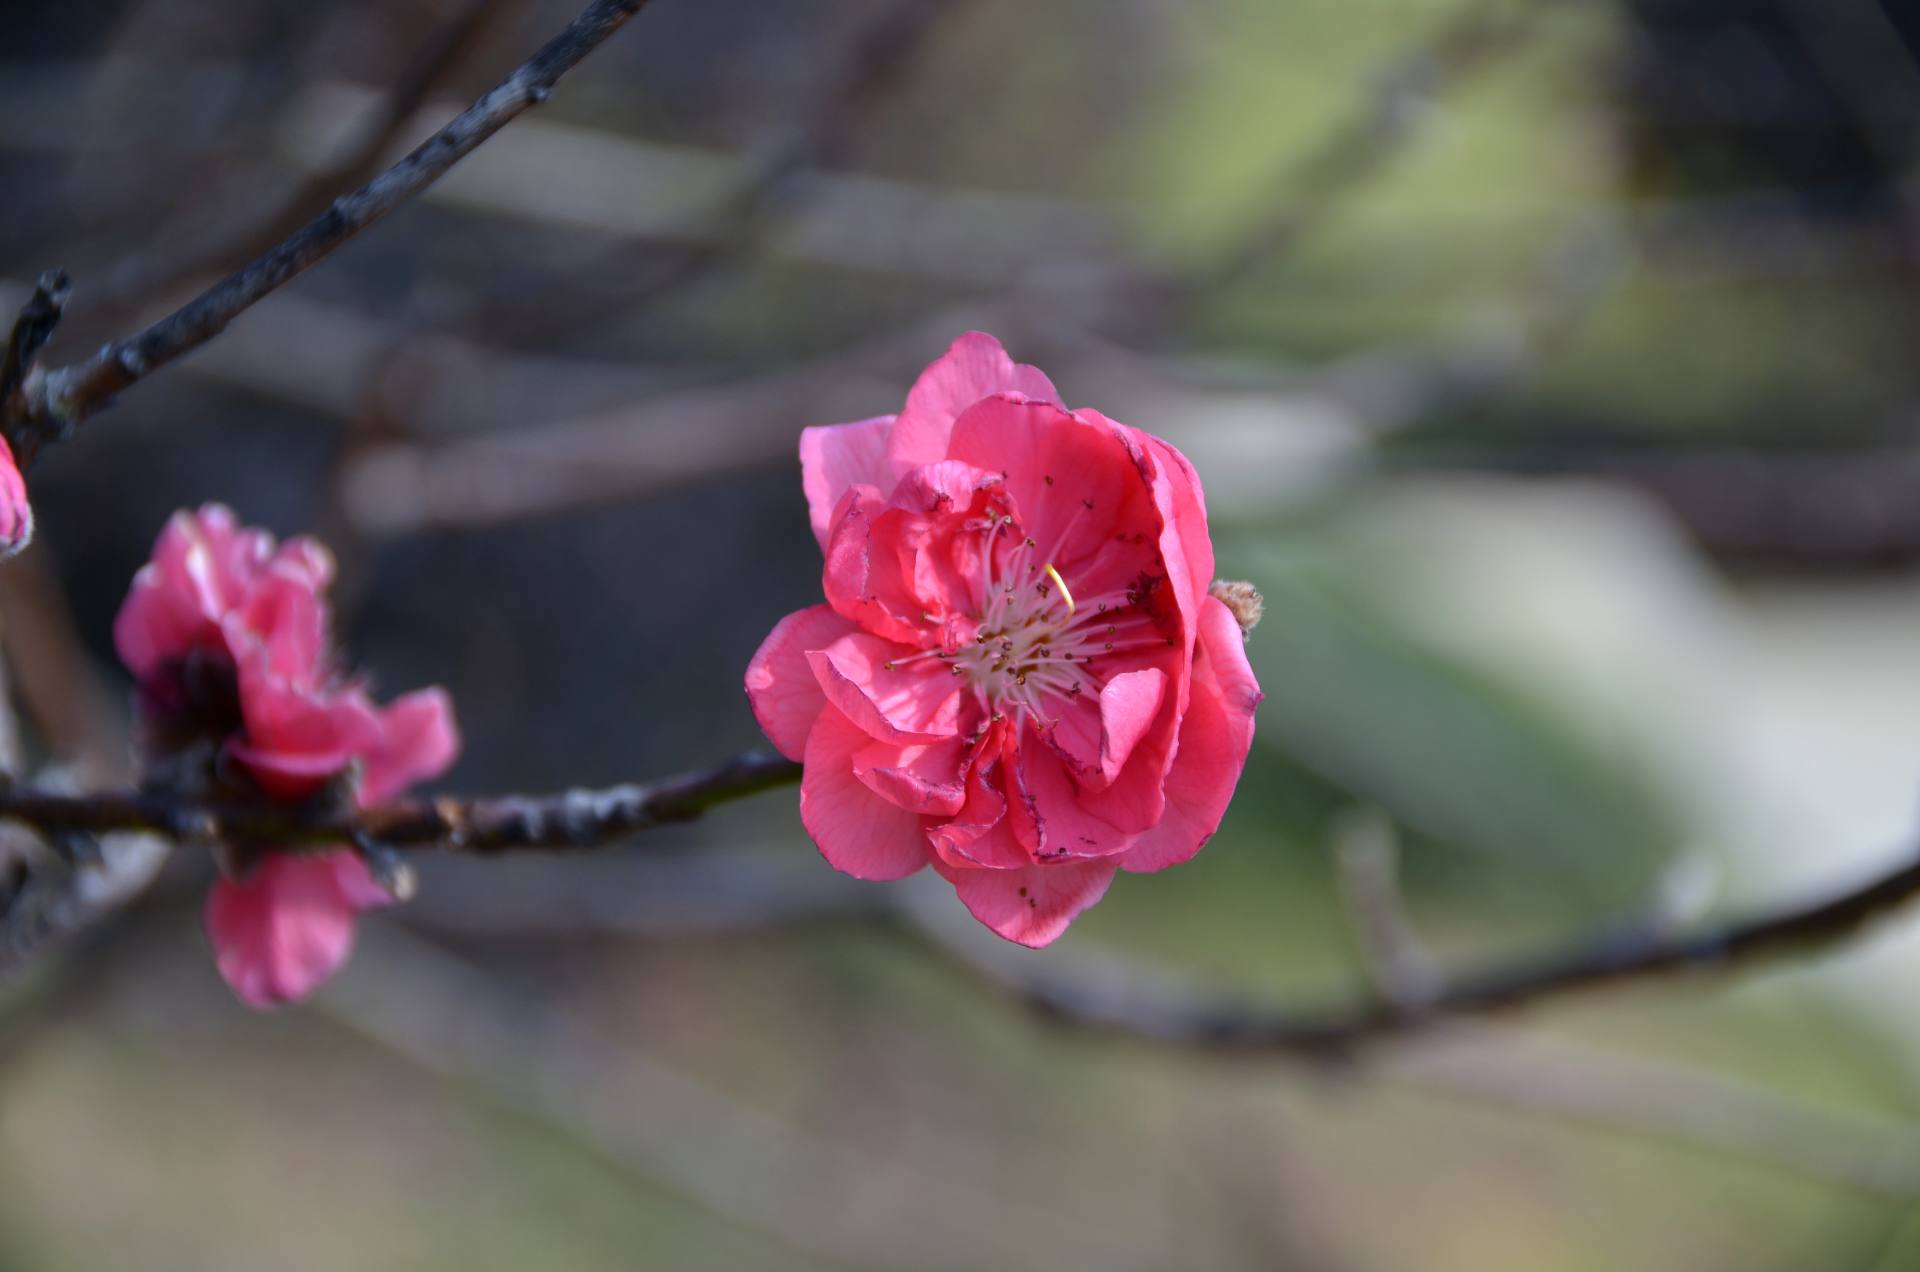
(288,926)
(16,513)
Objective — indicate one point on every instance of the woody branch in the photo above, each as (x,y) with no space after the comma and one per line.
(50,403)
(1102,996)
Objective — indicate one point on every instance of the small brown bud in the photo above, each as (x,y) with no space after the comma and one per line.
(1244,600)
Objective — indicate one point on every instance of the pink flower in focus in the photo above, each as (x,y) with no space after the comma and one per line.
(16,514)
(227,636)
(1019,677)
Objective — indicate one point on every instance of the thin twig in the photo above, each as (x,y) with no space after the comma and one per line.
(61,399)
(576,819)
(1358,149)
(31,330)
(875,63)
(1114,997)
(1367,854)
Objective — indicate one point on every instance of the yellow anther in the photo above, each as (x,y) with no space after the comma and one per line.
(1061,583)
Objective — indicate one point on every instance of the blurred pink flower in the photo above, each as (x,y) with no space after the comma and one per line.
(287,926)
(227,634)
(1019,677)
(16,514)
(207,586)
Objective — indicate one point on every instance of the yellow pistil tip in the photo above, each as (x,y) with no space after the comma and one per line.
(1061,583)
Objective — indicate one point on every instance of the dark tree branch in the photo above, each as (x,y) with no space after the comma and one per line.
(1115,998)
(62,398)
(574,819)
(31,330)
(1101,995)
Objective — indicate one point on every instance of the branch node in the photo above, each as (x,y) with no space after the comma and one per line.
(390,870)
(31,330)
(1403,972)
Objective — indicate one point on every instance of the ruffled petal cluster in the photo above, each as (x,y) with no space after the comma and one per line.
(226,634)
(1018,676)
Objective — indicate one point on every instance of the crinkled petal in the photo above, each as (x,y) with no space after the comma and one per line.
(836,457)
(1096,736)
(974,367)
(288,926)
(1129,705)
(781,684)
(918,702)
(864,578)
(926,778)
(857,831)
(1064,825)
(283,620)
(297,737)
(214,584)
(1081,496)
(1034,905)
(982,834)
(1214,742)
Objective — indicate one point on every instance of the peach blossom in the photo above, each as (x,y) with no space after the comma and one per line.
(1018,676)
(228,637)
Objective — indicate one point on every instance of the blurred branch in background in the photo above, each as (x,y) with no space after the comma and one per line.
(1500,1066)
(251,232)
(750,204)
(1398,102)
(55,401)
(1111,995)
(1661,1099)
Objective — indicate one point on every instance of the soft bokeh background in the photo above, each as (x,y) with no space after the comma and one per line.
(1552,368)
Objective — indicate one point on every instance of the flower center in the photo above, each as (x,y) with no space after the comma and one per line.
(1038,648)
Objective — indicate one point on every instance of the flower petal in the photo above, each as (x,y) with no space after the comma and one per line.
(927,778)
(1064,825)
(1079,493)
(1032,906)
(1214,742)
(288,926)
(297,737)
(974,367)
(864,578)
(836,457)
(781,685)
(918,703)
(16,513)
(857,831)
(1096,738)
(418,742)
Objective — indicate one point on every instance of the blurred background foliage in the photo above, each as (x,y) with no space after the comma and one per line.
(1551,366)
